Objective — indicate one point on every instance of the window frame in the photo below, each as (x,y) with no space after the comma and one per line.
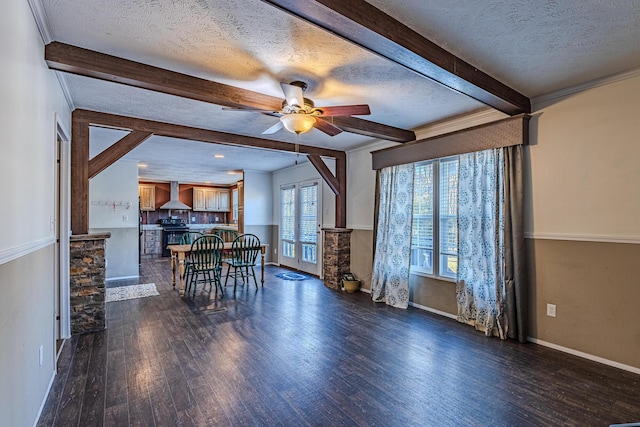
(436,243)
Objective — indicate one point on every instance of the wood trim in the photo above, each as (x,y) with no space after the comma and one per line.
(372,129)
(502,133)
(85,62)
(362,24)
(197,134)
(341,197)
(79,175)
(142,129)
(109,156)
(89,63)
(325,173)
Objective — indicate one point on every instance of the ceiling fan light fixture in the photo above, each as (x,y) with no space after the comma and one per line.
(298,122)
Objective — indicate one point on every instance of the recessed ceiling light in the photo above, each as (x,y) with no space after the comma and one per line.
(218,156)
(142,165)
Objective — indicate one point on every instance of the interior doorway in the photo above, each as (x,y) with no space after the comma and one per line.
(61,227)
(56,257)
(300,225)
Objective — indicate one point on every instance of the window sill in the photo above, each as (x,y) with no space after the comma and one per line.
(432,276)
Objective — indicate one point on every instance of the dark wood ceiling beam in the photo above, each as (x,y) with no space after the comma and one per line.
(197,134)
(109,156)
(325,173)
(341,197)
(141,129)
(364,25)
(372,129)
(84,62)
(89,63)
(79,175)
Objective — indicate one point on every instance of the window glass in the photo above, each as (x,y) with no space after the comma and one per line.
(435,218)
(422,227)
(448,201)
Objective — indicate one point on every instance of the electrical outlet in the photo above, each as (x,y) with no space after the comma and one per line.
(551,310)
(275,251)
(125,218)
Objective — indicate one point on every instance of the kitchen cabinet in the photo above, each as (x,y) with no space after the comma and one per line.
(147,194)
(211,199)
(224,203)
(151,243)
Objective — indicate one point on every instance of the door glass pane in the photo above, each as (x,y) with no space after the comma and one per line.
(288,221)
(308,221)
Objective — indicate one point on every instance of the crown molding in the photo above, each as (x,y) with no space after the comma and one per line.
(42,22)
(538,101)
(460,122)
(40,16)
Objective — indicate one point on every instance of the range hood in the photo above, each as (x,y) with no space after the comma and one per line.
(174,202)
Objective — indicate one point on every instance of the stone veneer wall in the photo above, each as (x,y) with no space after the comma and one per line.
(87,282)
(337,256)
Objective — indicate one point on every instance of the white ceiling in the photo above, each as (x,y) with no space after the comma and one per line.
(534,46)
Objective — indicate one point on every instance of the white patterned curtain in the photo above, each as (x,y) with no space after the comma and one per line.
(481,285)
(390,281)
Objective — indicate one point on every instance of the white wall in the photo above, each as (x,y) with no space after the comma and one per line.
(117,184)
(30,99)
(361,186)
(258,200)
(584,165)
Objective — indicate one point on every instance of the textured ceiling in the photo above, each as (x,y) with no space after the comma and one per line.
(535,47)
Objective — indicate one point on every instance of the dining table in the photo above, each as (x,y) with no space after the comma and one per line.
(179,253)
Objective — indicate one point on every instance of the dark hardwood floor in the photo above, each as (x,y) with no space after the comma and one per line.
(297,353)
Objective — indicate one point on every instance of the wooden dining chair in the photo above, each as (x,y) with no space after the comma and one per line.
(244,252)
(205,263)
(186,239)
(226,235)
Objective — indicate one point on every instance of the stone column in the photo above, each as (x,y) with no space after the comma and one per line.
(337,256)
(87,282)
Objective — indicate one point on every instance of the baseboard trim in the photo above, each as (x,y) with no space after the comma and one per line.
(433,310)
(44,399)
(588,356)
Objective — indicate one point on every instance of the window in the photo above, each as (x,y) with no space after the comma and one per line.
(435,202)
(234,204)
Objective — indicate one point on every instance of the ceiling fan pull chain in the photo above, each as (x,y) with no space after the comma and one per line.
(297,147)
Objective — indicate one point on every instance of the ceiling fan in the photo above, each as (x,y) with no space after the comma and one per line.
(300,115)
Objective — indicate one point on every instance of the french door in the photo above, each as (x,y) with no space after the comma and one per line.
(300,226)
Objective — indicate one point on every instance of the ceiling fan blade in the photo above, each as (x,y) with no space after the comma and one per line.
(250,109)
(345,110)
(293,94)
(326,127)
(273,129)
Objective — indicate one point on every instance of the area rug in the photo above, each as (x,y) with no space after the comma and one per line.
(122,293)
(291,276)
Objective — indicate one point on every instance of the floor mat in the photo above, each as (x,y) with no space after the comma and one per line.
(122,293)
(291,276)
